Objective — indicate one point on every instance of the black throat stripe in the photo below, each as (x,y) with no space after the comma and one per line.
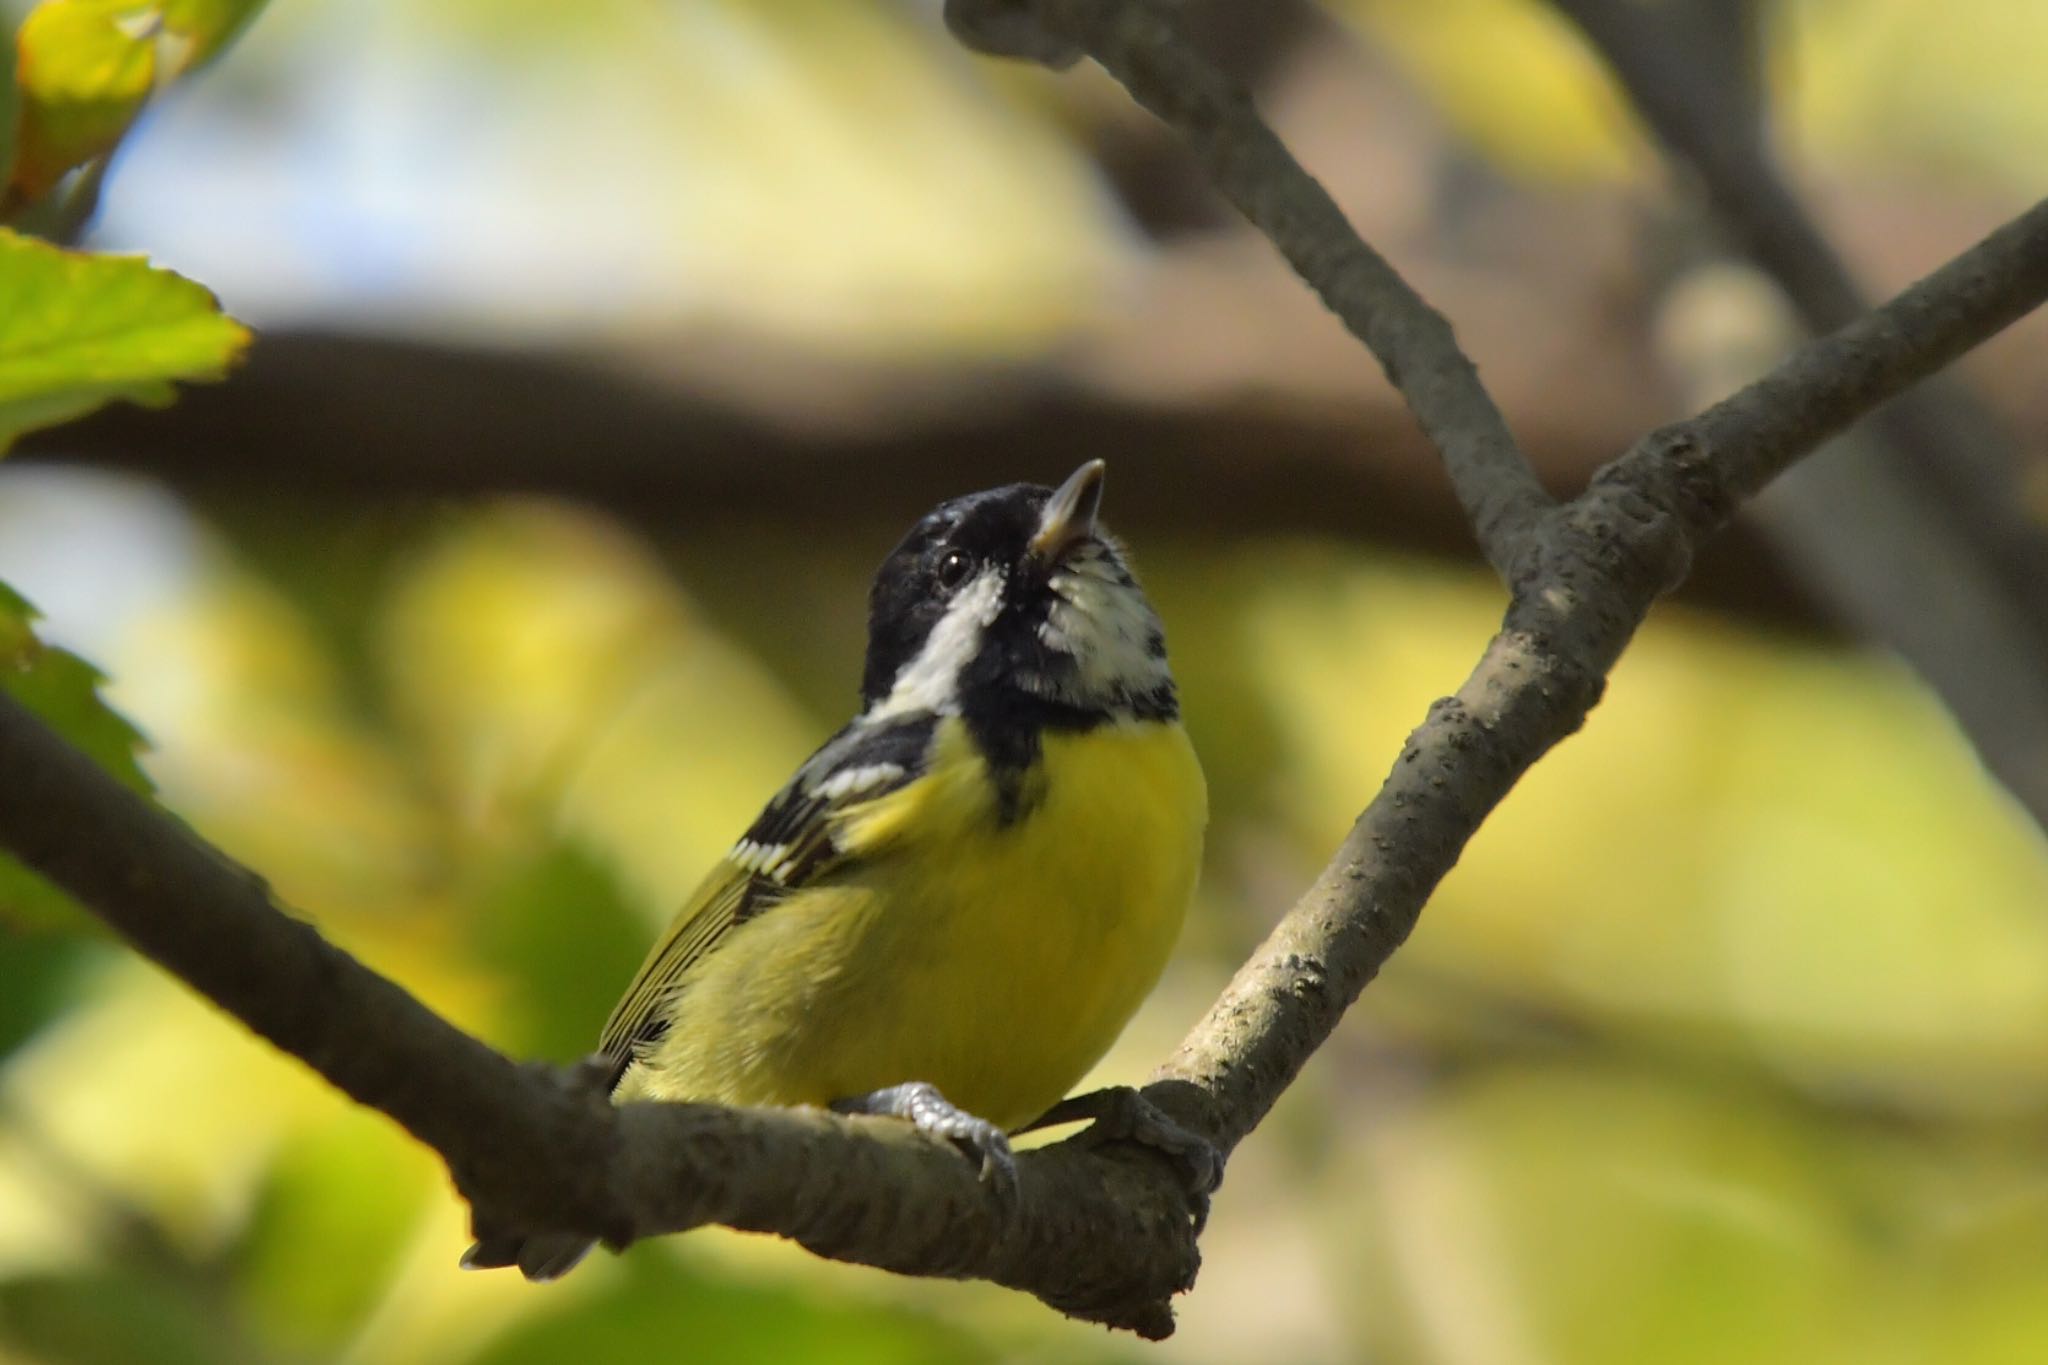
(1007,727)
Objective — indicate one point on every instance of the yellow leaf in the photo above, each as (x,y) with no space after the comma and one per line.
(85,67)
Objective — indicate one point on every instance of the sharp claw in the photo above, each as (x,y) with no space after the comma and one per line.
(998,1163)
(931,1112)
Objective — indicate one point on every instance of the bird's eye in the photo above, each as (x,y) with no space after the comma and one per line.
(953,568)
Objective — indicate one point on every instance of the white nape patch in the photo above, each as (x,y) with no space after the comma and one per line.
(931,681)
(1103,623)
(763,859)
(851,781)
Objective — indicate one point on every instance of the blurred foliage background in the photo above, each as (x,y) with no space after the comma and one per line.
(1727,1041)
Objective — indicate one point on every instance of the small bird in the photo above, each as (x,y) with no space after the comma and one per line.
(953,908)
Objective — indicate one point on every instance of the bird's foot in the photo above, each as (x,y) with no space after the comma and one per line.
(931,1112)
(1120,1113)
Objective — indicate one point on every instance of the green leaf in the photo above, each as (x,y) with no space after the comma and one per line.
(79,330)
(38,975)
(85,67)
(330,1225)
(558,926)
(63,689)
(111,1317)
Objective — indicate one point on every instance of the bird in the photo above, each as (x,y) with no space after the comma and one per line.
(952,909)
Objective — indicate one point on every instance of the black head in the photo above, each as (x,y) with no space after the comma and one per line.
(1015,590)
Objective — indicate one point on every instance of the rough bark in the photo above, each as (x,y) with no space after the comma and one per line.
(1102,1233)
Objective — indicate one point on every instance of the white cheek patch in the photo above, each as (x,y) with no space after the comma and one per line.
(1106,627)
(930,682)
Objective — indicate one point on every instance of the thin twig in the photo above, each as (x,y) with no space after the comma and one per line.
(1140,43)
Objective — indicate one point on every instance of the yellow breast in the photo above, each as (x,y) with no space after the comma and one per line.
(997,960)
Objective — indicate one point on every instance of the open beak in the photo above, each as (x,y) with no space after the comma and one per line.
(1069,515)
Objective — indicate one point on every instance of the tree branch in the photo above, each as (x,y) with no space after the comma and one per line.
(1140,43)
(1600,562)
(1098,1234)
(1939,463)
(1103,1234)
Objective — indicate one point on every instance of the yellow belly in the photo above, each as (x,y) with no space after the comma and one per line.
(997,962)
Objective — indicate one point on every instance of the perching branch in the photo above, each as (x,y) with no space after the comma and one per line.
(1139,43)
(1101,1235)
(1104,1234)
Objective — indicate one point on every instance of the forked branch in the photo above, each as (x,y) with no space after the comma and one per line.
(1103,1234)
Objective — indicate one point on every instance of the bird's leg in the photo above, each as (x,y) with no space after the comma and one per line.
(1121,1114)
(928,1111)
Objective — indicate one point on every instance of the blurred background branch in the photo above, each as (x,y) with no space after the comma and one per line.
(425,613)
(534,1156)
(1935,493)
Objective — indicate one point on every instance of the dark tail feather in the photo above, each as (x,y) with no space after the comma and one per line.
(546,1257)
